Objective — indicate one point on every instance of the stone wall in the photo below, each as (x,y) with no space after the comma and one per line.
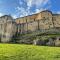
(43,20)
(7,28)
(56,20)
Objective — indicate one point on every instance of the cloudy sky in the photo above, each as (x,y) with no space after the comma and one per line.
(19,8)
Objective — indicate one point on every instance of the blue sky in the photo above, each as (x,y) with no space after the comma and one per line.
(19,8)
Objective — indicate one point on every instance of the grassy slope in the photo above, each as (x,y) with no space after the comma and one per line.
(28,52)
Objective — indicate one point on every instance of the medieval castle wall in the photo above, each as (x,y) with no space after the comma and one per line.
(7,28)
(43,20)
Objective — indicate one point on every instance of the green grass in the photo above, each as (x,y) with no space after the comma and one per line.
(28,52)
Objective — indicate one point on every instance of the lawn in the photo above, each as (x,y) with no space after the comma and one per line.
(28,52)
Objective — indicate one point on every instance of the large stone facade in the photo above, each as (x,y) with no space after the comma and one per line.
(7,28)
(40,21)
(44,20)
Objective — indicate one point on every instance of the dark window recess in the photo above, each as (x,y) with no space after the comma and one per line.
(26,20)
(50,24)
(34,19)
(43,17)
(59,38)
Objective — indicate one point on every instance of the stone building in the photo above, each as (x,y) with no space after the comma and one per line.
(7,28)
(44,20)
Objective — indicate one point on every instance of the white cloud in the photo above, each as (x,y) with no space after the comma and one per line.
(38,10)
(39,4)
(14,16)
(22,11)
(1,14)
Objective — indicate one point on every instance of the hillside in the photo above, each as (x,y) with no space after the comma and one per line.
(50,38)
(28,52)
